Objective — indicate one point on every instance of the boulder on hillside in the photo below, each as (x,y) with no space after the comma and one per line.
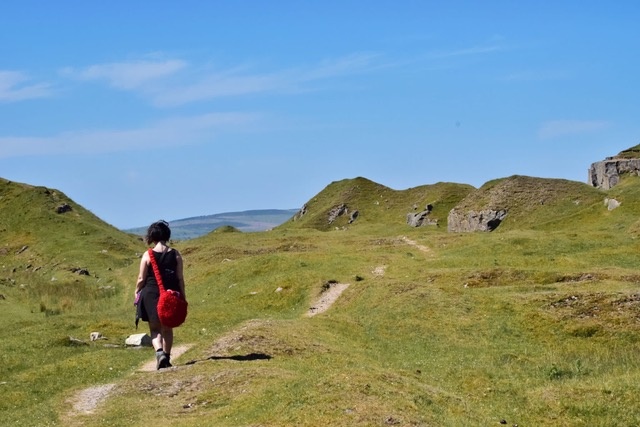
(484,220)
(422,218)
(611,204)
(138,340)
(63,208)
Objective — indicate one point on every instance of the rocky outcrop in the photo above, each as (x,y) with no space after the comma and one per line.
(606,174)
(468,221)
(301,212)
(333,214)
(420,219)
(63,208)
(337,211)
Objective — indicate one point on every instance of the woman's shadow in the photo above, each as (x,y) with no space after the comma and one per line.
(240,358)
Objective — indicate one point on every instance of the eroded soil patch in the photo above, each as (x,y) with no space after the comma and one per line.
(415,244)
(327,298)
(88,399)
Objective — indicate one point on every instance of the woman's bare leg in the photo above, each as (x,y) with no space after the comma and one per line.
(155,331)
(167,339)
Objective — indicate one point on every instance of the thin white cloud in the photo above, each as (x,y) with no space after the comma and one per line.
(172,132)
(214,85)
(237,82)
(173,82)
(558,128)
(14,87)
(128,75)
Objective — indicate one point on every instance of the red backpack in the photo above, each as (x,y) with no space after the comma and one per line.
(172,307)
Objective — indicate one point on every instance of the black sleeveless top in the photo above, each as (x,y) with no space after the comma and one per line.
(167,264)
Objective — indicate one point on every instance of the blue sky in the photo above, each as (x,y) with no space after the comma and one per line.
(141,110)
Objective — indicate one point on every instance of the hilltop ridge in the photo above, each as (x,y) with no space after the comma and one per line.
(56,231)
(360,201)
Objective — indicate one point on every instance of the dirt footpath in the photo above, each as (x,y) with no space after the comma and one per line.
(86,401)
(327,298)
(175,353)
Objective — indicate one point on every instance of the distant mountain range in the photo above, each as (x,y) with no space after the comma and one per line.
(248,221)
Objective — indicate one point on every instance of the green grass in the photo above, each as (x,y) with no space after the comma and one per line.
(535,324)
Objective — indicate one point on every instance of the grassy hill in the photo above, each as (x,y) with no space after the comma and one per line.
(376,204)
(45,236)
(533,324)
(537,203)
(61,274)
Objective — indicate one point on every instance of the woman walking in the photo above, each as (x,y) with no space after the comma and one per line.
(147,291)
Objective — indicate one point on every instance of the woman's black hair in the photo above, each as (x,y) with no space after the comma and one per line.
(159,231)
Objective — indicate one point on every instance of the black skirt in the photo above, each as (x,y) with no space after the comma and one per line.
(147,309)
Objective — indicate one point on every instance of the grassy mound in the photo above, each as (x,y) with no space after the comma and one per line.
(226,229)
(376,204)
(59,233)
(536,202)
(51,247)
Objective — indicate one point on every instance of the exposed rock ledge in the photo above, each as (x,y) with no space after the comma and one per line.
(485,220)
(606,173)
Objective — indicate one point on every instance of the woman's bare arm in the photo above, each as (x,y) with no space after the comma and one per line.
(142,273)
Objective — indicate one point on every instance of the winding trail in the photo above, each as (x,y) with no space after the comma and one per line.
(415,244)
(327,298)
(87,400)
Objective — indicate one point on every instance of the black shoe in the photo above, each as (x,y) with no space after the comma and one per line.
(163,362)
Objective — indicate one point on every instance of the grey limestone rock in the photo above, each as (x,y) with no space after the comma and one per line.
(138,340)
(606,173)
(468,221)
